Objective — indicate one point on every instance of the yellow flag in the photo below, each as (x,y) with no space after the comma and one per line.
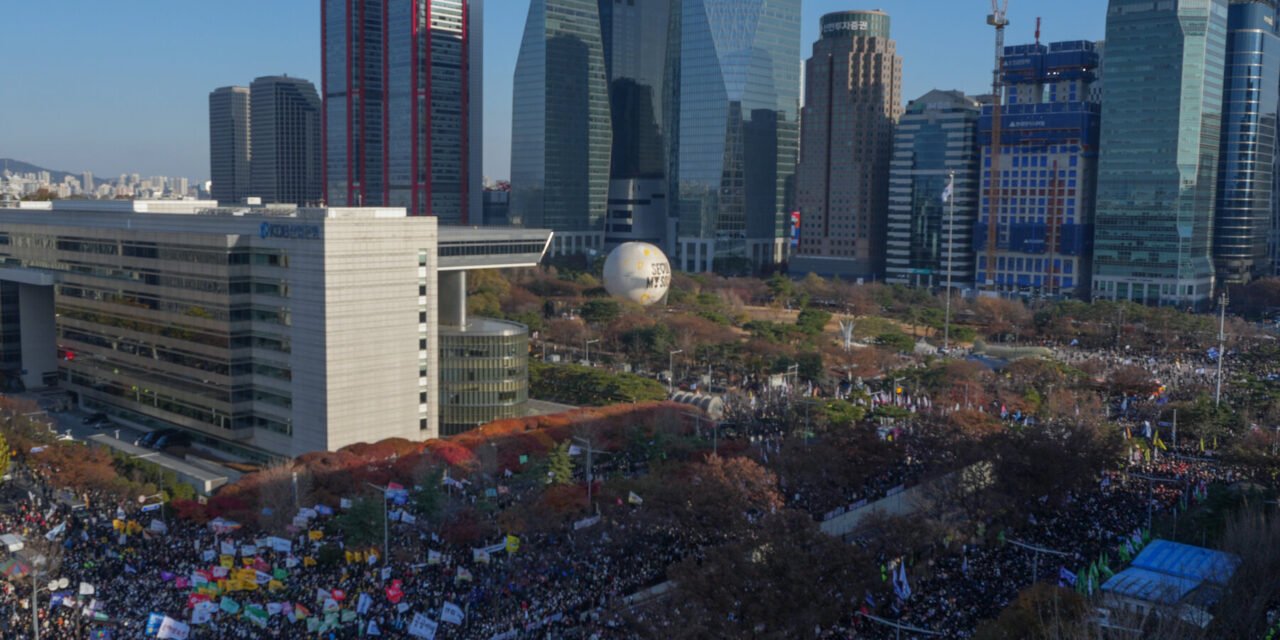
(308,561)
(227,562)
(347,555)
(275,585)
(513,544)
(315,535)
(118,525)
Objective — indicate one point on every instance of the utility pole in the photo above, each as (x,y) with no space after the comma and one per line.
(1150,491)
(671,371)
(590,466)
(1222,345)
(587,347)
(1035,563)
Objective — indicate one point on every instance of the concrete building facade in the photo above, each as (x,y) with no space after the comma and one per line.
(853,99)
(263,332)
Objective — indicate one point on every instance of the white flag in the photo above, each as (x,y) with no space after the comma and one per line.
(87,589)
(423,627)
(55,532)
(171,628)
(451,613)
(946,193)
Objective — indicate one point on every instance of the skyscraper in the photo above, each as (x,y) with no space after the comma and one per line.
(229,143)
(397,105)
(86,182)
(1246,166)
(737,132)
(853,99)
(561,131)
(285,140)
(937,137)
(1158,160)
(1048,171)
(637,40)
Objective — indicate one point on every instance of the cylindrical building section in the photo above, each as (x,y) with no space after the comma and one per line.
(484,373)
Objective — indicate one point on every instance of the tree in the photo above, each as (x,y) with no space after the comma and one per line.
(559,465)
(1041,612)
(601,311)
(361,525)
(5,457)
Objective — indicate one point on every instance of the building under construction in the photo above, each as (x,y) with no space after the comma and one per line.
(1046,167)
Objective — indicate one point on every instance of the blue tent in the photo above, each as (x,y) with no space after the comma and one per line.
(1186,561)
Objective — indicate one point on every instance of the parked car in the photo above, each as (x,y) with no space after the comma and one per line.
(150,438)
(175,439)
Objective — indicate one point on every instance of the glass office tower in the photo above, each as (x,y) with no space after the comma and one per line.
(927,236)
(561,132)
(1246,168)
(737,133)
(285,161)
(397,105)
(638,58)
(1158,159)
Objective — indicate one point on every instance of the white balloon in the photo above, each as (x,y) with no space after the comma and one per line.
(637,271)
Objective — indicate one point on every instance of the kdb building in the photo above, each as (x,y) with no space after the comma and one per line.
(260,331)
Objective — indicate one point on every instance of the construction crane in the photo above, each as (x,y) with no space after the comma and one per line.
(999,19)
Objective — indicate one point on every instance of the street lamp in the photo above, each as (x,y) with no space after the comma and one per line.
(671,371)
(588,344)
(159,504)
(52,585)
(590,477)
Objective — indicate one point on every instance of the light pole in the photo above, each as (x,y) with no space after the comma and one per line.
(1035,566)
(142,500)
(1222,346)
(295,490)
(587,347)
(590,476)
(951,217)
(53,585)
(671,371)
(386,557)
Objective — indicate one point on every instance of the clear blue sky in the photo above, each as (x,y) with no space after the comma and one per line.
(123,86)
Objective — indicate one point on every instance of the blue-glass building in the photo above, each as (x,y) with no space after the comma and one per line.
(736,132)
(1158,158)
(1246,166)
(639,57)
(561,132)
(936,138)
(1048,165)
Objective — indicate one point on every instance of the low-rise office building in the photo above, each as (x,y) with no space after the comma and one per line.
(261,331)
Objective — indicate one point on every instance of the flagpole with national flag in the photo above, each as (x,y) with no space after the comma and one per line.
(948,196)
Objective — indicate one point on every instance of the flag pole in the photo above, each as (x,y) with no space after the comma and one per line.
(951,219)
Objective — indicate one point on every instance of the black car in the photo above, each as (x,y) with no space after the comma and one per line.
(174,439)
(150,438)
(94,418)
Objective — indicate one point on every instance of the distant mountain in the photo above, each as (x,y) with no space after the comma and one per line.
(18,166)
